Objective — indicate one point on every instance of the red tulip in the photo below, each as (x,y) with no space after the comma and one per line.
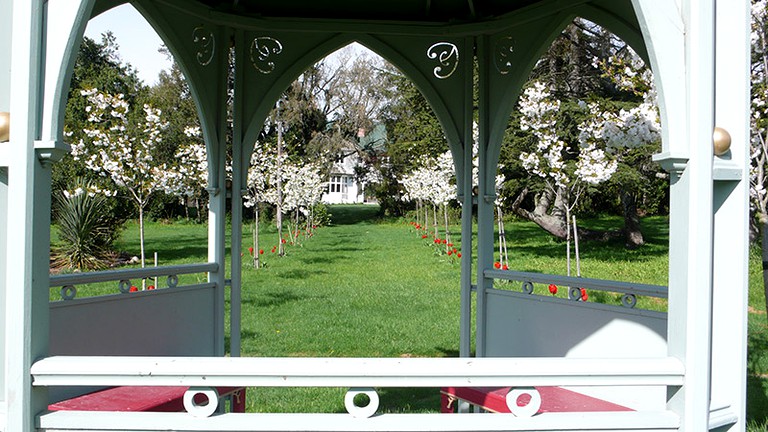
(505,267)
(250,250)
(454,250)
(273,249)
(552,289)
(444,241)
(151,287)
(584,295)
(424,236)
(261,251)
(458,254)
(282,241)
(450,253)
(450,244)
(133,289)
(497,265)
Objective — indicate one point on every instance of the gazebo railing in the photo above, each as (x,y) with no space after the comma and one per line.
(125,277)
(630,291)
(361,375)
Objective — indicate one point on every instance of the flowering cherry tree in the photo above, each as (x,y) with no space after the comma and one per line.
(301,188)
(261,175)
(432,182)
(188,177)
(566,179)
(120,149)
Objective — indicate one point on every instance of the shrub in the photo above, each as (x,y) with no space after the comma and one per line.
(87,229)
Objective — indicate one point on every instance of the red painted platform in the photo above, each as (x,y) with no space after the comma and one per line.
(553,399)
(142,398)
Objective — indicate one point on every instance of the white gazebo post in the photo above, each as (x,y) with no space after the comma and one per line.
(731,216)
(216,145)
(708,198)
(5,100)
(26,285)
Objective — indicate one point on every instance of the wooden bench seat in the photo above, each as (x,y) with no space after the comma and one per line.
(142,398)
(553,399)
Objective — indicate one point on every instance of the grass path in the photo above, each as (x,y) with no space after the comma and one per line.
(356,289)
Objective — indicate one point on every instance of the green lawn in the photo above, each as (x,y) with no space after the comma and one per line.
(363,287)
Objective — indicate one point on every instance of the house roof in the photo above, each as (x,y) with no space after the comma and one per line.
(375,140)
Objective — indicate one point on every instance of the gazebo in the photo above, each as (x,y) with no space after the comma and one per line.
(688,365)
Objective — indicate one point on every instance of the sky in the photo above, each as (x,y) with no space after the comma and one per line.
(137,41)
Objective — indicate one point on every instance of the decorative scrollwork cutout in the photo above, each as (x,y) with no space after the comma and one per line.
(198,408)
(361,411)
(447,55)
(124,286)
(68,292)
(629,300)
(173,280)
(502,55)
(574,293)
(527,410)
(528,287)
(262,49)
(205,42)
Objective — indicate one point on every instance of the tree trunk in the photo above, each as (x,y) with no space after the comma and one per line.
(141,241)
(554,222)
(765,262)
(256,257)
(434,218)
(632,233)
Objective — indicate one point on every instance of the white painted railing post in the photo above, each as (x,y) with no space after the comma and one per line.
(28,204)
(731,226)
(486,192)
(691,224)
(217,181)
(465,195)
(240,163)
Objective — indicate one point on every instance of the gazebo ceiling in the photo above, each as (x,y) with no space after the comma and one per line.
(438,11)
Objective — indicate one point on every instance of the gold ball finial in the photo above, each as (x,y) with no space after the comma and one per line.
(721,140)
(5,126)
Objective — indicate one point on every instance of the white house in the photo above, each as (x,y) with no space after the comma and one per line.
(344,185)
(343,188)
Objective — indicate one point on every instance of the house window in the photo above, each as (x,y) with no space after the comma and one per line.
(335,184)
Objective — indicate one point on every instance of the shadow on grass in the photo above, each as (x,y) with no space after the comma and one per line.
(176,250)
(757,373)
(531,240)
(275,299)
(244,335)
(352,214)
(408,400)
(323,259)
(299,273)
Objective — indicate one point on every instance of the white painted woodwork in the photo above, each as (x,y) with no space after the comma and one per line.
(354,372)
(107,421)
(3,247)
(6,13)
(29,215)
(731,224)
(129,274)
